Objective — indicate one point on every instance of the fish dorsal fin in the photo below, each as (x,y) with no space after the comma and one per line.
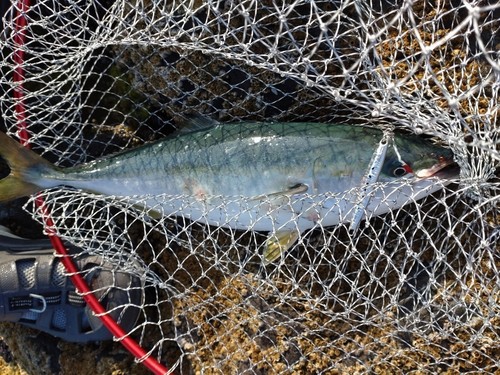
(197,123)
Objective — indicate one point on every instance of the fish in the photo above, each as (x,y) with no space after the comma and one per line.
(280,178)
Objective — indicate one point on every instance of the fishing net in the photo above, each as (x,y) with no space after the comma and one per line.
(414,290)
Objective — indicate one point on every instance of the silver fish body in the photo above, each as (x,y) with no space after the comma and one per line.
(262,176)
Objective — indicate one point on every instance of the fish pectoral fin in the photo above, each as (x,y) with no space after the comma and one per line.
(278,243)
(299,188)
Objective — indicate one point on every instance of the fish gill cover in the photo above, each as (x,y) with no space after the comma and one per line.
(414,289)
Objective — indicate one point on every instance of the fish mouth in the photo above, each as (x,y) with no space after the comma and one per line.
(444,169)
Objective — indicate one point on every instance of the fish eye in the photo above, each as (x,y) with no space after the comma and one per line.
(399,172)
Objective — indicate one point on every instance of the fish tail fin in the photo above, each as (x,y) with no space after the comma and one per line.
(19,159)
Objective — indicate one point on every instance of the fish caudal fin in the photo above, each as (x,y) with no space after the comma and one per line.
(278,243)
(19,160)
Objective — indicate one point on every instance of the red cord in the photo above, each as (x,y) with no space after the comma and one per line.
(130,344)
(19,39)
(80,283)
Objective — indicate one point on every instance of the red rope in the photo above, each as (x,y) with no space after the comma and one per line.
(19,41)
(130,344)
(80,283)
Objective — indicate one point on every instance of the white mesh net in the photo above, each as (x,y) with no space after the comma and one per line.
(413,290)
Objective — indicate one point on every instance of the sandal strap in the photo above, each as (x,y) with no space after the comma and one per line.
(35,291)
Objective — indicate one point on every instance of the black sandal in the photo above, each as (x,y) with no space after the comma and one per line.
(35,291)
